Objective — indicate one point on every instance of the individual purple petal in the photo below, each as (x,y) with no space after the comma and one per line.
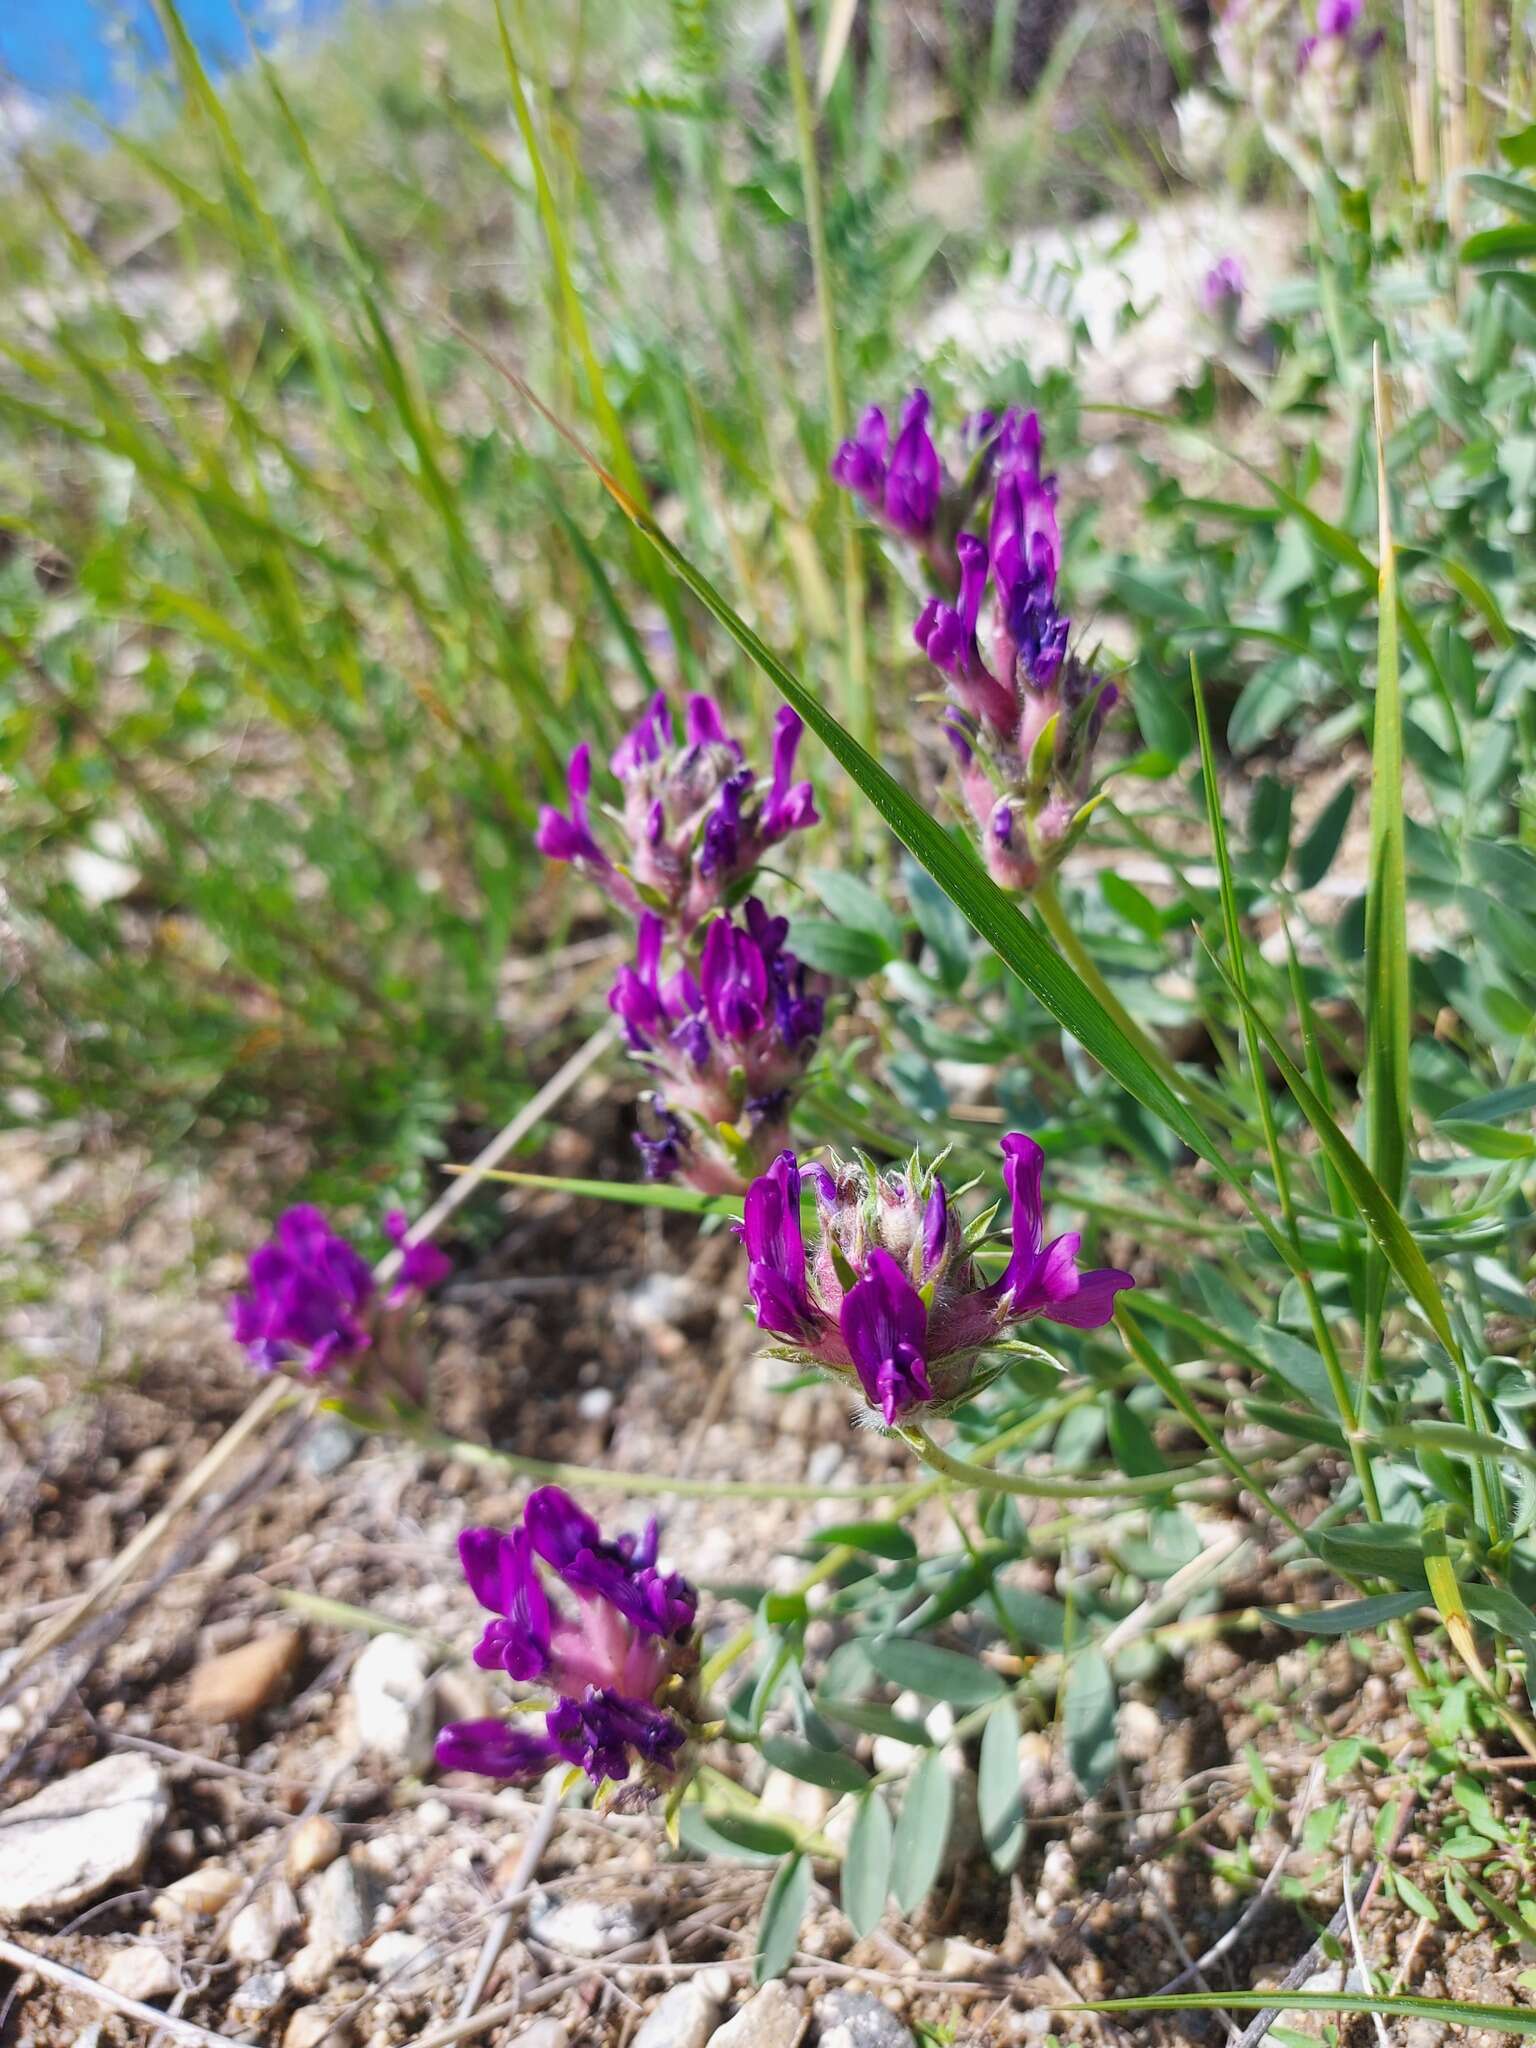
(493,1566)
(422,1266)
(884,1325)
(787,809)
(733,978)
(859,464)
(1023,1173)
(495,1749)
(915,477)
(935,1227)
(1093,1305)
(1338,17)
(1223,286)
(559,1530)
(647,740)
(705,725)
(722,841)
(570,838)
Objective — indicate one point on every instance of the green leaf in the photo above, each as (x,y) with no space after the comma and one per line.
(937,1674)
(1503,1102)
(1500,245)
(1127,901)
(870,1718)
(783,1910)
(1088,1718)
(840,949)
(1036,1617)
(825,1767)
(940,924)
(880,1539)
(1351,1617)
(1487,1141)
(1391,1550)
(1510,193)
(1315,855)
(648,1194)
(867,1865)
(855,904)
(1519,149)
(922,1830)
(998,1787)
(741,1836)
(1389,1002)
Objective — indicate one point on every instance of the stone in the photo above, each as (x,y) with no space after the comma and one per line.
(684,2018)
(238,1684)
(316,1842)
(259,1929)
(399,1956)
(857,2019)
(340,1907)
(588,1927)
(434,1816)
(311,2024)
(542,2034)
(1139,1731)
(769,2019)
(198,1895)
(142,1971)
(262,1990)
(330,1444)
(391,1693)
(80,1835)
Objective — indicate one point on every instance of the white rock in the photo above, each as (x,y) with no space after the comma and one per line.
(857,2019)
(769,2019)
(258,1930)
(198,1895)
(433,1816)
(589,1927)
(316,1842)
(392,1700)
(684,2018)
(142,1971)
(340,1906)
(542,2034)
(312,2024)
(262,1990)
(399,1956)
(80,1835)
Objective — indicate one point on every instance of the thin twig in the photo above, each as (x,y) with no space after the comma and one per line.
(534,1845)
(131,2008)
(1357,1946)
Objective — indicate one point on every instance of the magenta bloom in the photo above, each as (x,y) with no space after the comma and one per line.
(728,1043)
(1223,287)
(1028,799)
(309,1290)
(910,1324)
(627,1640)
(901,484)
(696,819)
(422,1266)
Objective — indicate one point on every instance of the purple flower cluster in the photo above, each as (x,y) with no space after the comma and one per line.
(891,1295)
(1023,723)
(311,1293)
(609,1665)
(1339,34)
(728,1042)
(696,819)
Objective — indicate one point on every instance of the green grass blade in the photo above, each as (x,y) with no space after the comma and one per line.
(642,1194)
(1519,2020)
(1388,1016)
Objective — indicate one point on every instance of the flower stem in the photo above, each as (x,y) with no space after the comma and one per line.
(979,1477)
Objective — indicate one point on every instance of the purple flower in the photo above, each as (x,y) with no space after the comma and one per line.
(1339,17)
(1223,288)
(628,1640)
(696,819)
(308,1292)
(892,1296)
(901,483)
(1027,806)
(422,1266)
(729,1042)
(884,1324)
